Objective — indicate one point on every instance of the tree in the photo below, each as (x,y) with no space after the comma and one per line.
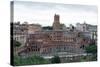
(31,60)
(55,59)
(47,28)
(91,49)
(16,43)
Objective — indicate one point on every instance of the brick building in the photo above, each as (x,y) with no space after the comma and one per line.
(56,23)
(54,43)
(21,31)
(58,41)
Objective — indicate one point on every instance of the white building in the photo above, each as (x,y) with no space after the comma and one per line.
(90,30)
(20,32)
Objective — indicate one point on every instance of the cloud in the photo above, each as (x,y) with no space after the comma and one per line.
(42,13)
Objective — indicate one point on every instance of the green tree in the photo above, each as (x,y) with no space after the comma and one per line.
(47,28)
(16,43)
(31,60)
(55,59)
(91,49)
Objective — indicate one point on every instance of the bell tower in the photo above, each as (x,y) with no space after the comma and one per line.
(56,23)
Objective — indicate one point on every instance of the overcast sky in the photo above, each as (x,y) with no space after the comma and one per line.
(43,13)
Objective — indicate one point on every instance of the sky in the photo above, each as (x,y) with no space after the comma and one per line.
(43,13)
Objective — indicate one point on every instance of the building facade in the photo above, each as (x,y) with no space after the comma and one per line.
(90,30)
(50,43)
(59,41)
(21,31)
(56,23)
(32,28)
